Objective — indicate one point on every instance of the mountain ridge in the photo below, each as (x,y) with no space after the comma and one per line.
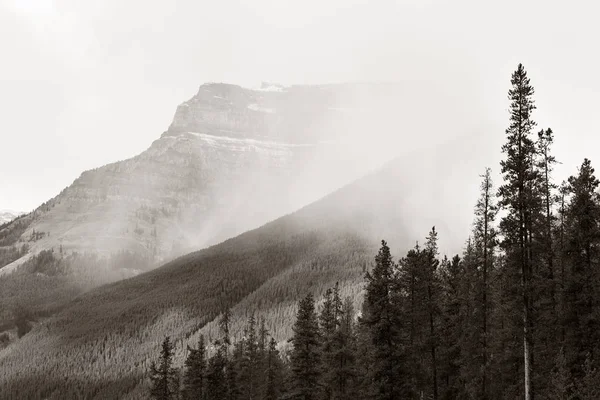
(225,136)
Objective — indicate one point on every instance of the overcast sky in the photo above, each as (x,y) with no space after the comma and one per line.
(85,83)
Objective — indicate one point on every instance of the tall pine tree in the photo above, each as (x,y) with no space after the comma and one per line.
(305,356)
(195,365)
(485,242)
(518,198)
(381,323)
(582,317)
(164,376)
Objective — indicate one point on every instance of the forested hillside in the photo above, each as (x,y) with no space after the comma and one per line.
(514,315)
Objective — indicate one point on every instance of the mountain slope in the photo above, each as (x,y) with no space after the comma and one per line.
(102,343)
(232,159)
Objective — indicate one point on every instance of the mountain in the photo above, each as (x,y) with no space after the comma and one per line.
(101,344)
(8,215)
(232,159)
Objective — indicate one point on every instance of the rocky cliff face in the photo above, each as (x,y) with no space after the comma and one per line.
(232,159)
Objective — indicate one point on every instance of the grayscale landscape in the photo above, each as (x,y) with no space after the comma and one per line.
(315,200)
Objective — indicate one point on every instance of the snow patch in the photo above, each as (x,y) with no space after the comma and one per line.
(225,140)
(271,87)
(256,107)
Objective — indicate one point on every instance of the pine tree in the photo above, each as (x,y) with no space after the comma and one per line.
(224,327)
(250,361)
(218,372)
(274,367)
(344,355)
(234,389)
(163,376)
(409,300)
(263,337)
(328,326)
(547,332)
(305,356)
(582,319)
(453,362)
(195,365)
(518,198)
(431,276)
(561,236)
(333,340)
(545,166)
(485,242)
(380,321)
(216,379)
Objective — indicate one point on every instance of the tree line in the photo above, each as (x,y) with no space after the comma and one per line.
(516,315)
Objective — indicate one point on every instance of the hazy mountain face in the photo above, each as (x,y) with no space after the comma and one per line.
(232,159)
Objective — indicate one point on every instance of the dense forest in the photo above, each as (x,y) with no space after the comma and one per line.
(516,315)
(48,281)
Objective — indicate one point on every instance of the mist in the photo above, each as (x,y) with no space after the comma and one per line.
(92,84)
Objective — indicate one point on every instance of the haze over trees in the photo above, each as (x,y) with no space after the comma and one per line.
(514,315)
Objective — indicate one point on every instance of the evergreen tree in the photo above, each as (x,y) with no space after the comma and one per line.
(263,337)
(195,365)
(432,283)
(163,376)
(344,354)
(335,339)
(582,319)
(409,300)
(453,377)
(485,242)
(305,356)
(250,361)
(216,379)
(518,198)
(234,386)
(274,367)
(328,327)
(545,166)
(561,236)
(224,323)
(219,374)
(380,321)
(547,331)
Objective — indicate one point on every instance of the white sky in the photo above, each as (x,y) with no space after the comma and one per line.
(85,83)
